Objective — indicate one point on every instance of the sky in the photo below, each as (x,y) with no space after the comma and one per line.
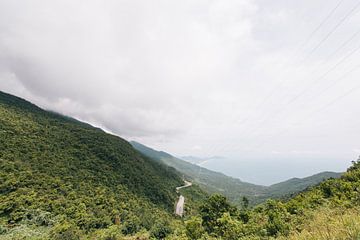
(270,86)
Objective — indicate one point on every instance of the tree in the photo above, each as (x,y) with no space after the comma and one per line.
(194,228)
(65,231)
(229,228)
(161,229)
(212,209)
(355,165)
(277,218)
(245,202)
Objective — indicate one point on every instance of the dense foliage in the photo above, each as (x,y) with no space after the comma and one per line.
(70,178)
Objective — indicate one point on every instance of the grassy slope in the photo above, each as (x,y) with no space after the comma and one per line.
(328,224)
(232,188)
(330,210)
(65,169)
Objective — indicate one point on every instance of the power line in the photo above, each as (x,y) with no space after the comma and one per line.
(325,74)
(345,43)
(316,81)
(352,37)
(332,31)
(271,93)
(321,24)
(337,99)
(331,55)
(336,81)
(322,108)
(325,89)
(306,41)
(318,95)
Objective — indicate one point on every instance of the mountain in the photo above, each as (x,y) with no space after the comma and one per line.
(66,177)
(296,185)
(233,188)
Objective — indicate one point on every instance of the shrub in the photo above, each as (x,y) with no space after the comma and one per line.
(194,228)
(65,231)
(160,230)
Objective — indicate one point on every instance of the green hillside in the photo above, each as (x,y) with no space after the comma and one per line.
(234,189)
(296,185)
(331,210)
(67,177)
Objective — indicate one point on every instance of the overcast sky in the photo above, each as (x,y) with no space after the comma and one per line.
(271,83)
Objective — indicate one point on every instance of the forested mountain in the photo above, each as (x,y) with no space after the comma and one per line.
(234,189)
(296,185)
(69,178)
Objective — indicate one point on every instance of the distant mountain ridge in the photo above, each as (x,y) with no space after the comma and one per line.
(234,189)
(295,185)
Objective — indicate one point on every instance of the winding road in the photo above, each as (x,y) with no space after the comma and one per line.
(179,210)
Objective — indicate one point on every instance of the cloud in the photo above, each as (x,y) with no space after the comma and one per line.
(129,66)
(197,147)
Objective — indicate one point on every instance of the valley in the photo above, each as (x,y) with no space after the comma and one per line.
(234,189)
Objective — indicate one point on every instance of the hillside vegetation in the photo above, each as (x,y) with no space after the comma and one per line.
(66,177)
(234,189)
(330,210)
(296,185)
